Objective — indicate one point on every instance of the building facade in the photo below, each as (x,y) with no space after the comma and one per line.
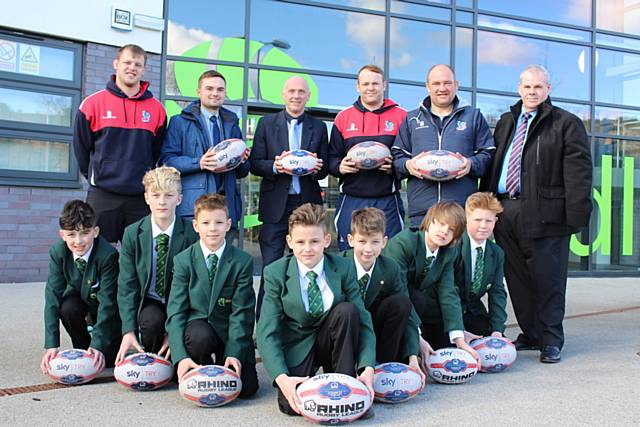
(591,48)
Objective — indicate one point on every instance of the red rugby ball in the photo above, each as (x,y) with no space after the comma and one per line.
(438,165)
(299,162)
(369,154)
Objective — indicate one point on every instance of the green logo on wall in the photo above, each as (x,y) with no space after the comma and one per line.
(603,199)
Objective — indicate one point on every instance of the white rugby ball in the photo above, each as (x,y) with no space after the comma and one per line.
(437,165)
(452,366)
(299,162)
(333,399)
(496,354)
(228,154)
(73,367)
(143,371)
(396,382)
(369,154)
(210,386)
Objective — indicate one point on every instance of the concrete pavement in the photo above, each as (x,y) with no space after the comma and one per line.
(596,384)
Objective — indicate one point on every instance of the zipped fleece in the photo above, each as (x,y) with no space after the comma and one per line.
(357,124)
(117,139)
(465,131)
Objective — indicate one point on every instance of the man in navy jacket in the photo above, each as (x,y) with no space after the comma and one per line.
(442,123)
(189,142)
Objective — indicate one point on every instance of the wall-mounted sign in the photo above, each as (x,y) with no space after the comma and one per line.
(121,19)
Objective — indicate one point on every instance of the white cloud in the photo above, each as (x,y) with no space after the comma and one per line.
(181,38)
(498,49)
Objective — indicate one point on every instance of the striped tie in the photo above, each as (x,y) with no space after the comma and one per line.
(427,266)
(316,307)
(81,265)
(162,250)
(362,284)
(212,259)
(513,168)
(477,271)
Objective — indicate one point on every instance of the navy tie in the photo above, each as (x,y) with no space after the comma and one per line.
(215,131)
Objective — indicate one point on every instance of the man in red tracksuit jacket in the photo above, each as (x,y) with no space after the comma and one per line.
(117,137)
(370,118)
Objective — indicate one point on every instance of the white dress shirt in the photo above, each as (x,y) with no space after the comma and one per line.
(474,253)
(325,290)
(360,271)
(206,252)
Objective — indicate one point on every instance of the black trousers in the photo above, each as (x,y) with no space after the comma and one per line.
(116,211)
(476,324)
(201,342)
(335,349)
(73,315)
(432,331)
(151,321)
(536,273)
(272,239)
(390,317)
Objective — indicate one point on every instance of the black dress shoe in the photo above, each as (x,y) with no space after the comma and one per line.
(550,354)
(521,343)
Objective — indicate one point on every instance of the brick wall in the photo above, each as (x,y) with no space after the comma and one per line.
(29,216)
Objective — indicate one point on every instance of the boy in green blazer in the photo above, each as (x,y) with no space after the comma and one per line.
(211,309)
(82,282)
(312,313)
(427,258)
(146,264)
(383,289)
(478,269)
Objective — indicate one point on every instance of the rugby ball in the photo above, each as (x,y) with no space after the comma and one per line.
(73,367)
(496,354)
(299,162)
(333,399)
(369,154)
(143,371)
(210,386)
(452,366)
(396,382)
(438,165)
(228,154)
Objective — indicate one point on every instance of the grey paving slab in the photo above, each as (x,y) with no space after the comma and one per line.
(595,385)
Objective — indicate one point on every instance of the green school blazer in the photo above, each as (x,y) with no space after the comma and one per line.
(386,280)
(136,262)
(492,284)
(409,251)
(286,332)
(97,288)
(228,305)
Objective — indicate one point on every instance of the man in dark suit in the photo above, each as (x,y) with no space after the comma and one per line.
(281,193)
(542,174)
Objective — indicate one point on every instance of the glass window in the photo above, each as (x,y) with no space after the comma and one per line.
(616,121)
(615,231)
(333,93)
(315,38)
(617,77)
(423,11)
(493,106)
(32,59)
(575,12)
(416,47)
(464,3)
(464,55)
(618,15)
(501,58)
(204,29)
(35,107)
(464,17)
(532,28)
(182,78)
(618,41)
(363,4)
(21,154)
(407,96)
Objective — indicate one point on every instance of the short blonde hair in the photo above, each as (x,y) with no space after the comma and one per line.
(308,214)
(368,221)
(449,213)
(163,178)
(485,201)
(210,202)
